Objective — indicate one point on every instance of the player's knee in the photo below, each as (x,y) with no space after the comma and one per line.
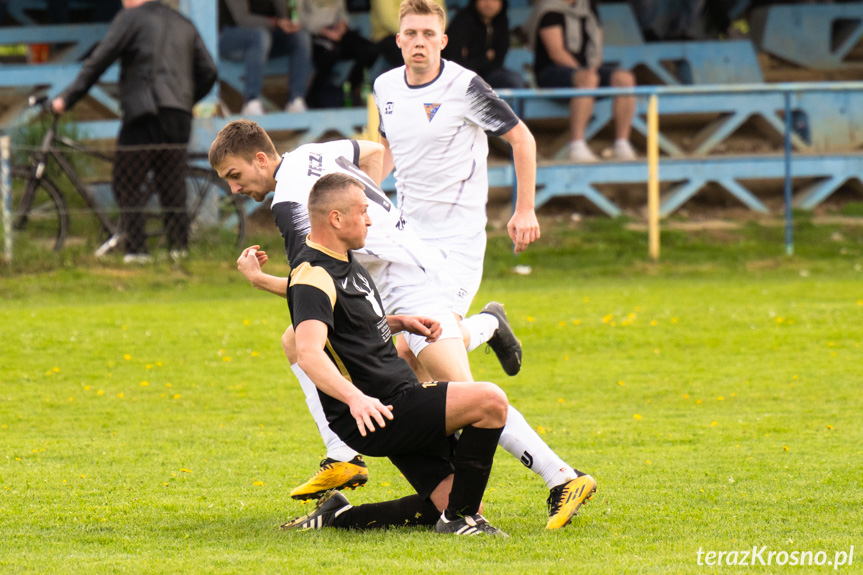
(586,78)
(495,404)
(289,345)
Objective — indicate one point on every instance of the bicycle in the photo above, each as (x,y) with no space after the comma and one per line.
(41,216)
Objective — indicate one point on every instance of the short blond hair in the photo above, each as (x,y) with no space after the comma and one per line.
(422,8)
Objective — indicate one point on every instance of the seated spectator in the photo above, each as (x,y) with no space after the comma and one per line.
(567,41)
(334,41)
(251,31)
(384,19)
(479,40)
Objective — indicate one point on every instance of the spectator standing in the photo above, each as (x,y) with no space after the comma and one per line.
(479,41)
(567,41)
(164,70)
(251,31)
(333,40)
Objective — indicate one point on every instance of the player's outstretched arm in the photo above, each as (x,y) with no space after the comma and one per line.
(426,326)
(371,159)
(249,264)
(523,227)
(389,164)
(311,338)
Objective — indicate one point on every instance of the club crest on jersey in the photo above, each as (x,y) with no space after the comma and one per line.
(431,110)
(388,109)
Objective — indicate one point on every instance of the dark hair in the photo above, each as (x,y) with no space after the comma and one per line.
(328,194)
(243,139)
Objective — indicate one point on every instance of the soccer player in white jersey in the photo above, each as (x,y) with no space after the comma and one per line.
(407,274)
(434,118)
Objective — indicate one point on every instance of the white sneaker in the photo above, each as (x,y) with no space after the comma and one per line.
(137,259)
(623,150)
(296,106)
(178,255)
(579,152)
(253,108)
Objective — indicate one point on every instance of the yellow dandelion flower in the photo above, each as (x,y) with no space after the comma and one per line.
(576,322)
(71,399)
(120,395)
(100,392)
(620,383)
(258,483)
(720,398)
(177,396)
(148,366)
(123,327)
(830,427)
(674,320)
(385,484)
(685,396)
(531,319)
(127,356)
(714,423)
(168,384)
(55,369)
(607,318)
(654,323)
(698,401)
(780,319)
(648,462)
(86,388)
(540,430)
(733,395)
(560,400)
(226,358)
(184,470)
(145,383)
(566,358)
(785,447)
(246,322)
(561,323)
(637,417)
(255,354)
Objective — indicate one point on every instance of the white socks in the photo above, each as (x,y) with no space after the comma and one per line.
(520,439)
(336,448)
(480,327)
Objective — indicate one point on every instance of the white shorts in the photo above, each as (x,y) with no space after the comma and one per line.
(463,272)
(426,299)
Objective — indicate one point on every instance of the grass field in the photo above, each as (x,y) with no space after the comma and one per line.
(150,424)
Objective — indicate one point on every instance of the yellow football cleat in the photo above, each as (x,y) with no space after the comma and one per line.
(565,500)
(333,475)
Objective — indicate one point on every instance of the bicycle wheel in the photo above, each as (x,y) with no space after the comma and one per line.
(216,216)
(40,219)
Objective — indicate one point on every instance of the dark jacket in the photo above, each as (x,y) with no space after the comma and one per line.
(184,74)
(470,38)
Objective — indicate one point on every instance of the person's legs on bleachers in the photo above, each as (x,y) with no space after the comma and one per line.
(580,112)
(298,47)
(622,111)
(250,46)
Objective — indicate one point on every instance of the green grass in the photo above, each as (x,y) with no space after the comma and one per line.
(715,397)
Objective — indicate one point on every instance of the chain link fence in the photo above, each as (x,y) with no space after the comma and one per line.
(137,202)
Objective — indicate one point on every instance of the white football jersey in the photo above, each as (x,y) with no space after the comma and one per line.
(437,134)
(393,254)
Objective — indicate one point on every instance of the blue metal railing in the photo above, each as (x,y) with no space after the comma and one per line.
(786,89)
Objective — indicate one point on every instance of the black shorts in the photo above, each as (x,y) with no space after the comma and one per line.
(415,439)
